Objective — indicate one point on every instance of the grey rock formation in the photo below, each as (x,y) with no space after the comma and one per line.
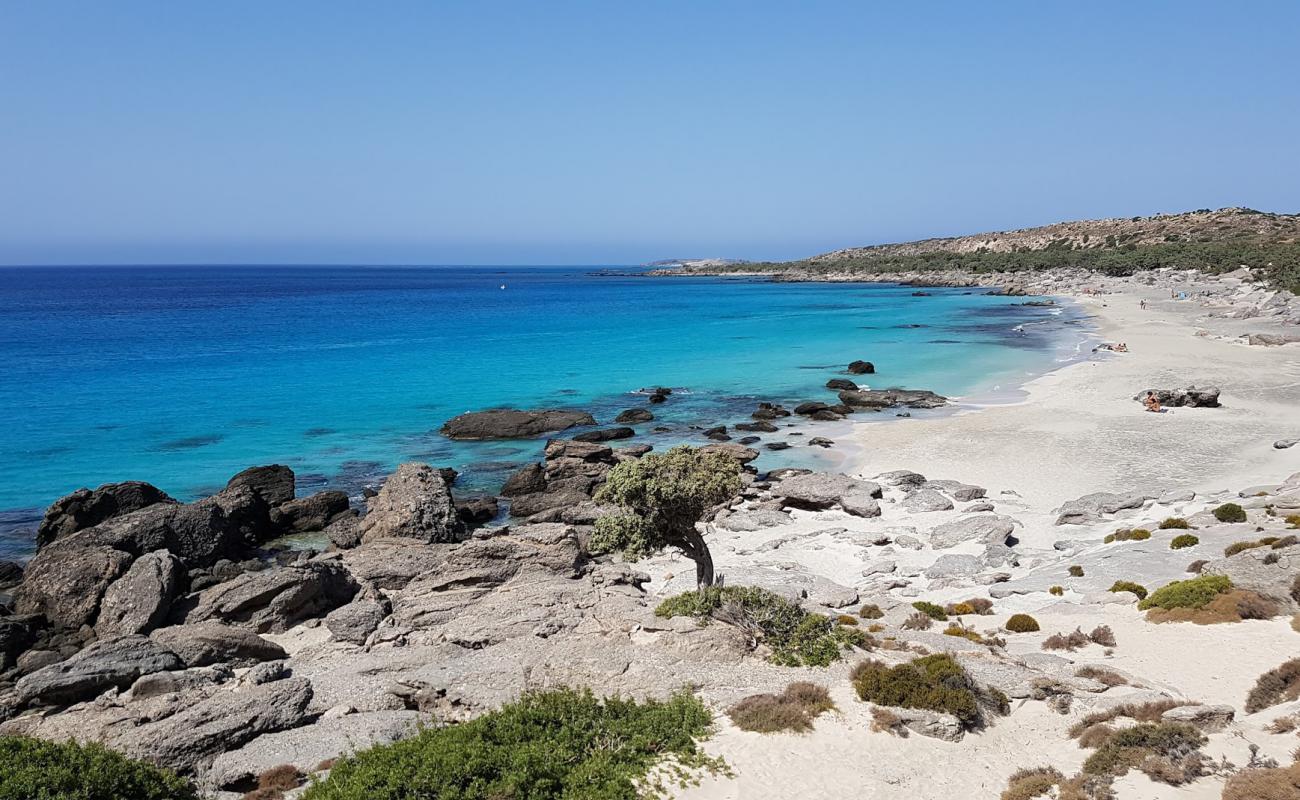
(1207,397)
(633,416)
(139,601)
(16,635)
(1284,444)
(274,600)
(104,664)
(312,513)
(204,643)
(822,490)
(860,367)
(529,479)
(892,398)
(1207,718)
(190,740)
(957,490)
(933,724)
(358,619)
(65,582)
(954,565)
(752,520)
(414,503)
(1093,507)
(605,435)
(738,452)
(513,423)
(86,508)
(923,500)
(983,528)
(1251,570)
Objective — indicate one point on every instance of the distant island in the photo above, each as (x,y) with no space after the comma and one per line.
(698,263)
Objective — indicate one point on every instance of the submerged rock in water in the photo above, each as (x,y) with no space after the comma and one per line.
(861,368)
(605,435)
(841,385)
(634,415)
(509,423)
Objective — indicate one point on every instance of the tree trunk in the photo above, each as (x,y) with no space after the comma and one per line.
(696,550)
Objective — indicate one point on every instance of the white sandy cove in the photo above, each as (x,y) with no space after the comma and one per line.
(1077,431)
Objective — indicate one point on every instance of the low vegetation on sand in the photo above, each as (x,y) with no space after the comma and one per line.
(34,769)
(1166,752)
(1028,784)
(934,683)
(796,637)
(1128,535)
(931,610)
(1131,587)
(1279,685)
(1021,623)
(562,743)
(793,710)
(1183,540)
(1174,523)
(1230,512)
(1282,783)
(1206,600)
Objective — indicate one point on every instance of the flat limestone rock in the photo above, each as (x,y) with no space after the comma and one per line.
(925,500)
(1093,507)
(983,528)
(752,520)
(205,643)
(109,663)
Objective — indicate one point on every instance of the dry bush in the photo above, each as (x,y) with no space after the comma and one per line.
(1173,771)
(1286,541)
(1140,712)
(792,710)
(1076,571)
(1102,675)
(1295,623)
(274,782)
(959,609)
(1197,565)
(1131,748)
(1026,784)
(1264,784)
(955,628)
(1094,736)
(1021,623)
(1278,685)
(1071,641)
(919,621)
(982,605)
(1103,635)
(885,721)
(846,619)
(1284,724)
(870,611)
(1237,547)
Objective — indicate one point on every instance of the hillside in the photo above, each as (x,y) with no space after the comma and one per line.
(1210,241)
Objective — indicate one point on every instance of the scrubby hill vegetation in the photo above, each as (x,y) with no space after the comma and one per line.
(1211,241)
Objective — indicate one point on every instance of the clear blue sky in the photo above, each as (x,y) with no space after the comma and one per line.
(619,132)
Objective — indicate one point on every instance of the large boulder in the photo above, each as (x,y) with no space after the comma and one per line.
(86,508)
(275,600)
(205,643)
(508,423)
(861,368)
(815,491)
(923,500)
(393,563)
(605,435)
(107,663)
(66,583)
(529,505)
(841,385)
(633,416)
(273,483)
(414,503)
(355,621)
(188,741)
(528,479)
(981,528)
(1093,507)
(139,601)
(892,398)
(738,452)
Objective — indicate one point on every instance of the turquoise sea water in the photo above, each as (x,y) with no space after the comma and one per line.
(183,376)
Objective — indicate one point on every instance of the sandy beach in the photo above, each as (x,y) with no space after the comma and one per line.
(1076,431)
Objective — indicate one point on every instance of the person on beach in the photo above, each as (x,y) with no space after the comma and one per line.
(1152,403)
(1142,304)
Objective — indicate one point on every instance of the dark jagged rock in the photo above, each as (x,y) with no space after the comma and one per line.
(656,399)
(16,634)
(819,441)
(841,384)
(414,503)
(740,453)
(605,435)
(530,505)
(717,433)
(477,510)
(749,440)
(826,415)
(312,513)
(557,449)
(11,574)
(777,445)
(861,368)
(65,583)
(810,408)
(86,508)
(1190,397)
(513,423)
(205,643)
(761,426)
(633,416)
(273,483)
(107,663)
(530,478)
(892,398)
(770,411)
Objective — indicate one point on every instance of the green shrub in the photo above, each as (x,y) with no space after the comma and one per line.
(1129,747)
(561,744)
(1021,623)
(931,610)
(1128,534)
(1191,593)
(870,611)
(935,683)
(1076,571)
(1174,523)
(1129,586)
(34,769)
(1230,512)
(796,637)
(1183,540)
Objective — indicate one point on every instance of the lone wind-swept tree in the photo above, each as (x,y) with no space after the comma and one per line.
(663,495)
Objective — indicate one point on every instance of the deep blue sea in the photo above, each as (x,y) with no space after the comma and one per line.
(183,376)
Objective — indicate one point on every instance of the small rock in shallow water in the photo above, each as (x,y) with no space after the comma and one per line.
(1283,444)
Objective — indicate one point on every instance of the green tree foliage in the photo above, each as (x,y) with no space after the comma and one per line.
(663,495)
(34,769)
(562,744)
